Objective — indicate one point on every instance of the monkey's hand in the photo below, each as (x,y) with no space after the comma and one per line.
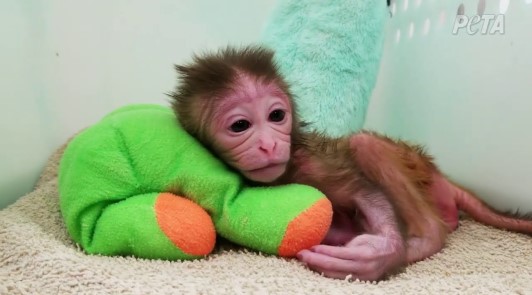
(367,257)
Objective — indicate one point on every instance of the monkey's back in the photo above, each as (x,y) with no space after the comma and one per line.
(329,164)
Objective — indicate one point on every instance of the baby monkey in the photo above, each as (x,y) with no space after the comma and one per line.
(392,206)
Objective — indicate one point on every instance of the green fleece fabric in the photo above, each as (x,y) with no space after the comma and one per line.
(329,51)
(112,180)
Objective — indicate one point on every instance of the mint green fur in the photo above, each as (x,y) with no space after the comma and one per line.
(111,173)
(330,52)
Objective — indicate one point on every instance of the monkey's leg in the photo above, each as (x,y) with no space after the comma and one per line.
(443,195)
(433,240)
(378,252)
(419,248)
(380,161)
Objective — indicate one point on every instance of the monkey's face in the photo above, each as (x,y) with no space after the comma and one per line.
(252,134)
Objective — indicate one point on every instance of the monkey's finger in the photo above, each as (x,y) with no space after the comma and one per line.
(334,266)
(342,252)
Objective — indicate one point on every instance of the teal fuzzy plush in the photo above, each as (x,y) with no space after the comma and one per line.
(329,51)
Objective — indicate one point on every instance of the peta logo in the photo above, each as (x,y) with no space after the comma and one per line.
(487,24)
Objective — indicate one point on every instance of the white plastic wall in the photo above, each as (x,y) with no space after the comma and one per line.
(468,98)
(64,64)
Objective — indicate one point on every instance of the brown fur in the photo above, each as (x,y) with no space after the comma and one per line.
(369,178)
(211,76)
(411,167)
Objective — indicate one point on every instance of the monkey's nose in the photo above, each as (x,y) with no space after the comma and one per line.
(268,147)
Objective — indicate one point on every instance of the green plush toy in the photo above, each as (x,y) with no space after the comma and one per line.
(137,184)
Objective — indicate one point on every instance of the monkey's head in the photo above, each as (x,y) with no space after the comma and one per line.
(236,103)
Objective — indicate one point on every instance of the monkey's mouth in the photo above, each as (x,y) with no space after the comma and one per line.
(266,173)
(269,166)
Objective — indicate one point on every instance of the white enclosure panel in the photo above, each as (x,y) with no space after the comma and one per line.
(466,96)
(66,63)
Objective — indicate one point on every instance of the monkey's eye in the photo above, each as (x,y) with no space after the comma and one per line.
(276,116)
(240,126)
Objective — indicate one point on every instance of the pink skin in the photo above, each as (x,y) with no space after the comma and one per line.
(375,241)
(442,192)
(260,152)
(366,255)
(366,248)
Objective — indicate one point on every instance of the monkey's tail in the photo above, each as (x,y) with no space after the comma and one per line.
(482,212)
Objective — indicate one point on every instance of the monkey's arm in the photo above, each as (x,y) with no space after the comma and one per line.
(380,251)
